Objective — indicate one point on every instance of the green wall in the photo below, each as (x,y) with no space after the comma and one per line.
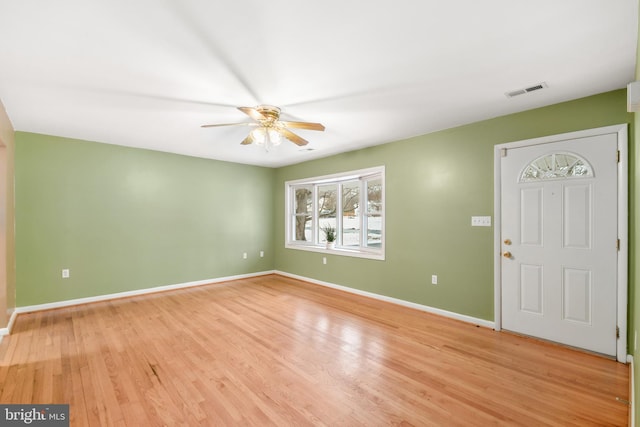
(434,184)
(124,219)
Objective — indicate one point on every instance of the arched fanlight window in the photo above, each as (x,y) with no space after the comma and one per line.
(556,166)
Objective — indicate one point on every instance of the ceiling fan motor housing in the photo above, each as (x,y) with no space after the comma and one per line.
(270,112)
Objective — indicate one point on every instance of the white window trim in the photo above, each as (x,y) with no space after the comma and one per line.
(370,253)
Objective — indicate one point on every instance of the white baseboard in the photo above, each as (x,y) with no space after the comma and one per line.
(426,308)
(98,298)
(7,330)
(12,321)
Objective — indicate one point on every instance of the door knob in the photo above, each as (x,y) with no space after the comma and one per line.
(507,254)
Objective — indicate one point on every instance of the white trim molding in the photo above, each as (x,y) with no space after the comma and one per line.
(7,330)
(118,295)
(404,303)
(623,232)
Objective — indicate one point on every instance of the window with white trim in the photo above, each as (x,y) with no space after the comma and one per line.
(351,203)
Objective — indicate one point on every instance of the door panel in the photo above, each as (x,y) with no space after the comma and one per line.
(576,285)
(531,288)
(576,217)
(531,216)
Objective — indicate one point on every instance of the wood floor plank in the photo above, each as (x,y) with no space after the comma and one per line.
(277,351)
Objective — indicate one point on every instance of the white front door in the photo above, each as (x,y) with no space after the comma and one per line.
(559,241)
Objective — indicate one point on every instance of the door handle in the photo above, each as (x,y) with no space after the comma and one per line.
(506,254)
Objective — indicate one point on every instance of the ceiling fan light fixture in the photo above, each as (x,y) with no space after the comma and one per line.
(259,135)
(274,136)
(269,137)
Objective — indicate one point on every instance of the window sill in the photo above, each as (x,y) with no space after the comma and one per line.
(339,251)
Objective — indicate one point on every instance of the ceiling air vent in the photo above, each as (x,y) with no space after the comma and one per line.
(526,90)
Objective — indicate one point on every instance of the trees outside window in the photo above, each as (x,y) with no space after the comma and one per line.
(302,211)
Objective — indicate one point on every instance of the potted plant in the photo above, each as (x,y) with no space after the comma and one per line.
(329,235)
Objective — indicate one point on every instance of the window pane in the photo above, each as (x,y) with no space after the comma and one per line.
(374,196)
(557,166)
(302,209)
(351,214)
(327,203)
(374,231)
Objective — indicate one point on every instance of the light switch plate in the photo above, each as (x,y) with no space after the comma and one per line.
(481,221)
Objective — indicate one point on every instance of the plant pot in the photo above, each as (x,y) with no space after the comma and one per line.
(331,245)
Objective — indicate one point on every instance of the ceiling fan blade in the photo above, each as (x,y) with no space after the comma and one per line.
(293,137)
(253,113)
(248,140)
(302,125)
(229,124)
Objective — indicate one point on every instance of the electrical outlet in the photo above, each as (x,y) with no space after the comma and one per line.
(324,260)
(244,255)
(65,273)
(261,254)
(434,279)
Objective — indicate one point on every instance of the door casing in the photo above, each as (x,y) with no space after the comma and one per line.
(623,228)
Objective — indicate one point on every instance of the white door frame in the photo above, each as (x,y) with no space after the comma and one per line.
(623,228)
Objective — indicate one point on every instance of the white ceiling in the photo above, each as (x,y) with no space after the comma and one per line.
(148,73)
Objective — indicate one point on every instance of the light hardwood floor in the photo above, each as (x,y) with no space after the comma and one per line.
(276,351)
